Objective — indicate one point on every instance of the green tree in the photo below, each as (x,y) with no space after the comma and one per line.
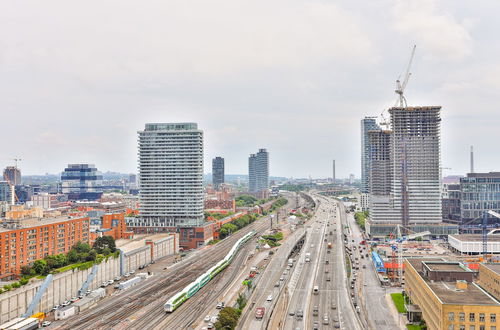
(228,318)
(82,247)
(92,255)
(72,256)
(241,301)
(41,267)
(104,242)
(26,270)
(16,285)
(227,229)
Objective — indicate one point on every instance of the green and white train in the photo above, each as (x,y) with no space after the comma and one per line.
(191,289)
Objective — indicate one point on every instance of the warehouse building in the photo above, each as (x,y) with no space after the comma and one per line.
(473,243)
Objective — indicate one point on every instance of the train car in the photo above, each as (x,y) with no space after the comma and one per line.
(190,290)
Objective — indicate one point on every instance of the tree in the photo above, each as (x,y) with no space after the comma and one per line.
(26,270)
(72,256)
(82,247)
(91,256)
(228,318)
(41,267)
(104,242)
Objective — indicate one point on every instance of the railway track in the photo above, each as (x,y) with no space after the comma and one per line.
(112,313)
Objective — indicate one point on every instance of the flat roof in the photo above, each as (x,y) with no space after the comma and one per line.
(138,241)
(493,267)
(36,222)
(447,292)
(476,237)
(445,266)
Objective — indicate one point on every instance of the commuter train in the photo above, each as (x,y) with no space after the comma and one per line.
(191,289)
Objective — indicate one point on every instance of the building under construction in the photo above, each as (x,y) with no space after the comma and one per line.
(405,173)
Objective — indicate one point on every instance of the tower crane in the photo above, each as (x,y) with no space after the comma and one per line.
(400,88)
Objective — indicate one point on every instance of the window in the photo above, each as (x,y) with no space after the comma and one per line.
(451,327)
(493,317)
(493,327)
(462,327)
(472,327)
(451,316)
(481,317)
(482,327)
(472,317)
(462,317)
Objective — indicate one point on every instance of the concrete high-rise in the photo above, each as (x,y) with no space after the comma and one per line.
(367,124)
(406,159)
(217,172)
(258,171)
(13,175)
(170,175)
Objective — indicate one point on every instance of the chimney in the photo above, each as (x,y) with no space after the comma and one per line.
(472,159)
(461,285)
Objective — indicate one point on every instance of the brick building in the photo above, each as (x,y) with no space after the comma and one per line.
(33,239)
(108,224)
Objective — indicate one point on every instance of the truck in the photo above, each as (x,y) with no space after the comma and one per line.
(329,245)
(259,312)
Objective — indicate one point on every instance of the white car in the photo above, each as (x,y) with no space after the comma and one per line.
(207,318)
(46,323)
(270,297)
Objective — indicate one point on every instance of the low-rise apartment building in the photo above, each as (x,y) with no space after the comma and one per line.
(447,297)
(27,240)
(489,279)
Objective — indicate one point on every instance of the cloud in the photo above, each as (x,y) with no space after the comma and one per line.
(437,31)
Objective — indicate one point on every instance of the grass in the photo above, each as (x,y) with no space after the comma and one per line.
(399,302)
(413,327)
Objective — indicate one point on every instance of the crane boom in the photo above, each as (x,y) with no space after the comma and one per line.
(401,86)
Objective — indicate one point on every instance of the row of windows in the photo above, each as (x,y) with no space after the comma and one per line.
(471,327)
(472,317)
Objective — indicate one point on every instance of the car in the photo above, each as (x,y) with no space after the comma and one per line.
(325,319)
(336,325)
(73,299)
(334,306)
(116,286)
(117,278)
(104,284)
(364,266)
(270,297)
(220,305)
(88,292)
(277,284)
(207,318)
(81,296)
(210,326)
(299,314)
(285,273)
(291,313)
(282,278)
(56,307)
(328,279)
(213,319)
(110,282)
(128,274)
(46,323)
(66,303)
(326,270)
(315,326)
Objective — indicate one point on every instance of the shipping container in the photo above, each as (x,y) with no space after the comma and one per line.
(129,283)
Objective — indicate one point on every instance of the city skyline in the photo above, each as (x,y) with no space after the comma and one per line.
(317,81)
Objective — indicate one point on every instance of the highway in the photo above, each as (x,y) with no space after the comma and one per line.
(142,305)
(370,294)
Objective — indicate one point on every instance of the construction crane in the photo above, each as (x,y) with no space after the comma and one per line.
(484,229)
(400,88)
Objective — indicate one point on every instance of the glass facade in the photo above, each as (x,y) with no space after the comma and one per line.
(480,192)
(82,182)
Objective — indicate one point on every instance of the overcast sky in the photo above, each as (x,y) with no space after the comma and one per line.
(79,79)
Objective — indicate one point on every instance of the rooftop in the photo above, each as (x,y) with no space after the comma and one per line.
(138,241)
(448,293)
(476,237)
(493,267)
(445,266)
(35,222)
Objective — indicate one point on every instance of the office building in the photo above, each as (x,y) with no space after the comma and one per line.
(444,295)
(489,278)
(12,174)
(170,176)
(367,124)
(5,191)
(412,171)
(479,192)
(132,179)
(451,197)
(258,171)
(333,171)
(82,181)
(217,172)
(28,240)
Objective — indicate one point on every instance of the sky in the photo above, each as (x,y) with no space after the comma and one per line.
(79,79)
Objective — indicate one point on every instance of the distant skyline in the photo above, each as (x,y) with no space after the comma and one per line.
(78,80)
